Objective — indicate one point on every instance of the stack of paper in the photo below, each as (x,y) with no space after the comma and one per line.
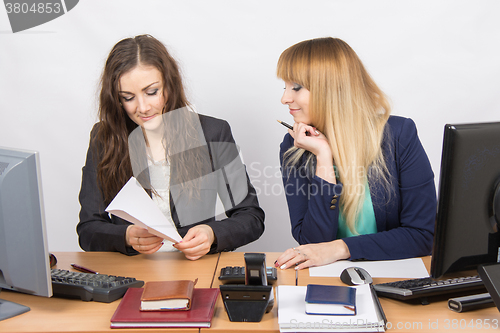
(412,268)
(292,315)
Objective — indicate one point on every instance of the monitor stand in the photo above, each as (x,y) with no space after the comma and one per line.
(10,309)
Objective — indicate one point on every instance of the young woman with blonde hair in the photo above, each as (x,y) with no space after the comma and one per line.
(358,182)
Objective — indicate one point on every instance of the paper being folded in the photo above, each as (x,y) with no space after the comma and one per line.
(133,204)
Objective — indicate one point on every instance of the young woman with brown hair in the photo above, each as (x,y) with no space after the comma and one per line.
(184,160)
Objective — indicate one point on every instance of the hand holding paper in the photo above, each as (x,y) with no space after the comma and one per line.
(133,204)
(142,240)
(197,241)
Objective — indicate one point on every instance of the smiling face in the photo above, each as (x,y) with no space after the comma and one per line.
(297,99)
(142,96)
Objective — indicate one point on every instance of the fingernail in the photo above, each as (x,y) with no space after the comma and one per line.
(317,133)
(296,268)
(276,263)
(283,266)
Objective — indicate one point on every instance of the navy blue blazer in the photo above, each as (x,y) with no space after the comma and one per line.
(405,215)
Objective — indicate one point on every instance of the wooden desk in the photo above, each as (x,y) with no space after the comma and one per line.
(64,315)
(73,315)
(269,323)
(415,317)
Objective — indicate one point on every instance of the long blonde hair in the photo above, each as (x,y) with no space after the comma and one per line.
(347,107)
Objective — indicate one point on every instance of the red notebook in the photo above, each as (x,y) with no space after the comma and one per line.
(128,315)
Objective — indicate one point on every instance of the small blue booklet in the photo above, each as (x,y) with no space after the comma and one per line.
(330,300)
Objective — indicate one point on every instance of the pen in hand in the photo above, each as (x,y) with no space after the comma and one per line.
(83,269)
(291,127)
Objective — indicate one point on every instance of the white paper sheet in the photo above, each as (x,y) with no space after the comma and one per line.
(405,268)
(293,318)
(133,204)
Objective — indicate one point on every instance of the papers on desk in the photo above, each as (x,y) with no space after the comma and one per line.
(133,204)
(292,315)
(413,268)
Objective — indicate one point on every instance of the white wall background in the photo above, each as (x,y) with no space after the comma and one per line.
(437,60)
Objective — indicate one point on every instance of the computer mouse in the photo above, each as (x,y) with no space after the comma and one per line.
(355,275)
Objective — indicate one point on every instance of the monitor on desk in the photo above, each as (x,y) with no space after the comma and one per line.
(24,257)
(468,218)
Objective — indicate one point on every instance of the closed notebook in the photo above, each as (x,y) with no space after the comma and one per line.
(330,300)
(128,315)
(167,295)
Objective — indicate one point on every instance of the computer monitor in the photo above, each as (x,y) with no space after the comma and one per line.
(468,217)
(24,256)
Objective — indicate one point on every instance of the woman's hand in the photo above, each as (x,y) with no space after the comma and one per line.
(142,240)
(309,138)
(310,255)
(197,242)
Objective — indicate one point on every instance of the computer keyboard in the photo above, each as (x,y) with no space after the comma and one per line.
(425,287)
(91,287)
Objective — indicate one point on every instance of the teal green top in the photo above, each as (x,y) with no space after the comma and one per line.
(365,224)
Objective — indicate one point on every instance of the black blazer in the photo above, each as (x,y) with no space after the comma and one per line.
(100,231)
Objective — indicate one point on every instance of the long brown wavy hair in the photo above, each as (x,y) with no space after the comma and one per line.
(114,168)
(348,107)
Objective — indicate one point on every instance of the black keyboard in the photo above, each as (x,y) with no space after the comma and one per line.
(425,287)
(91,287)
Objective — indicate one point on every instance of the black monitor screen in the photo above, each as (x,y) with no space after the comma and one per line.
(466,232)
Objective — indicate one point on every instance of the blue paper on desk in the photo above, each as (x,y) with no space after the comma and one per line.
(330,300)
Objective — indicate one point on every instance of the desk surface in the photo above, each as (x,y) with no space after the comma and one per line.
(65,315)
(73,315)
